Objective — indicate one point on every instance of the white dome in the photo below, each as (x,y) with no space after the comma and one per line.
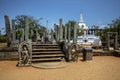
(83,26)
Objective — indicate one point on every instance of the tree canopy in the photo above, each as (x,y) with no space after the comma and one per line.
(33,25)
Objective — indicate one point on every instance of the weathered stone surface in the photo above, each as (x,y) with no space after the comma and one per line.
(52,37)
(74,54)
(69,30)
(116,41)
(23,35)
(13,55)
(13,31)
(75,34)
(15,42)
(26,28)
(56,31)
(108,41)
(61,30)
(65,35)
(25,53)
(87,54)
(8,30)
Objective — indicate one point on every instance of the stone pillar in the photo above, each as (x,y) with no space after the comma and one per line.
(8,30)
(93,31)
(13,31)
(65,34)
(26,28)
(108,40)
(0,32)
(116,42)
(23,35)
(75,33)
(42,40)
(52,37)
(61,30)
(36,36)
(32,33)
(58,34)
(55,29)
(69,31)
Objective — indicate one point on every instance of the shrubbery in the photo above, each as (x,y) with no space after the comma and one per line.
(2,39)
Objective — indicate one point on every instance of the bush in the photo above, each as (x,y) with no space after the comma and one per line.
(2,39)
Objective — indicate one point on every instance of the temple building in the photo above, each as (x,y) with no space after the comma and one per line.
(86,38)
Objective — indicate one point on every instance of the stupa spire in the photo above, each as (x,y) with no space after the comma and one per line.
(81,18)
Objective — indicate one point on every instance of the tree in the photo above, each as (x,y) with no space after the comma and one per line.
(33,24)
(114,26)
(71,23)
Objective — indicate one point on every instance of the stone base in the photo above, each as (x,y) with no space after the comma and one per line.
(8,55)
(50,65)
(23,65)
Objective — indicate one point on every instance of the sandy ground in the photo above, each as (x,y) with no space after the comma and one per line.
(3,44)
(100,68)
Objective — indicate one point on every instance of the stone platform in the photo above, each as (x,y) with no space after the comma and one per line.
(50,65)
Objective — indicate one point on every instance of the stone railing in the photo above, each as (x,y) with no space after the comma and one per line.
(25,53)
(65,49)
(74,48)
(70,51)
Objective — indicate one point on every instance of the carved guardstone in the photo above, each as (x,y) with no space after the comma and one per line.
(74,53)
(25,53)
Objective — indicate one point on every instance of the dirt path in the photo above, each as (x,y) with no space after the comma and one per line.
(100,68)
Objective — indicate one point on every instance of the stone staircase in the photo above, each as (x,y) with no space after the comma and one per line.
(47,53)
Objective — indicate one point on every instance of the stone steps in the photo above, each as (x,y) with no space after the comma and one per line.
(50,52)
(51,55)
(45,45)
(46,59)
(47,53)
(36,50)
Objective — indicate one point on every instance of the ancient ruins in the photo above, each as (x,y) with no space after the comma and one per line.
(56,46)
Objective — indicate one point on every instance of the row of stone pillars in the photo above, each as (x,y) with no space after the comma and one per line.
(59,32)
(11,34)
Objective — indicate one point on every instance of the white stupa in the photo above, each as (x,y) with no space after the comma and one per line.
(81,24)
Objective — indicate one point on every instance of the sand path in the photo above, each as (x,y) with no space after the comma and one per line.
(100,68)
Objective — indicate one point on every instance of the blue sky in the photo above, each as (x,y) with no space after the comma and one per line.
(99,12)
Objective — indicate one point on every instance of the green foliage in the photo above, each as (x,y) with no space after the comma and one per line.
(33,25)
(41,30)
(80,32)
(114,26)
(71,23)
(2,39)
(18,34)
